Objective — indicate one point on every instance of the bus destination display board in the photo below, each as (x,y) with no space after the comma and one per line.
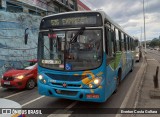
(71,20)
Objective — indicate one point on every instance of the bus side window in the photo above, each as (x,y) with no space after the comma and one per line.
(117,40)
(125,43)
(129,46)
(120,40)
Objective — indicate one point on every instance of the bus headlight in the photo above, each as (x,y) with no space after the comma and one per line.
(96,81)
(41,79)
(137,55)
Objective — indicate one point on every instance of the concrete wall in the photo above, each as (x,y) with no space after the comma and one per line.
(12,29)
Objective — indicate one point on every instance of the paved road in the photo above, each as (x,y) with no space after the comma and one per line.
(154,54)
(31,99)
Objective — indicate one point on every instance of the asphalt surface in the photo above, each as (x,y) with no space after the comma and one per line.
(31,99)
(149,97)
(155,54)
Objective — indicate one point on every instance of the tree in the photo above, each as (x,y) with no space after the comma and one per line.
(155,42)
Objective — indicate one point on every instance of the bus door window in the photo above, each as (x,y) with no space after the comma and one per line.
(109,45)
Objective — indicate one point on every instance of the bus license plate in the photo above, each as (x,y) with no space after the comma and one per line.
(7,83)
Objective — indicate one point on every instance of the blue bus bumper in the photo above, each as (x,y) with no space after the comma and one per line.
(94,95)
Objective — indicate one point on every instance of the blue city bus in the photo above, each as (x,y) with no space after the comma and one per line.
(82,55)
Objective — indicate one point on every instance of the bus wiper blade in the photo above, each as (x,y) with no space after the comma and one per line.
(80,32)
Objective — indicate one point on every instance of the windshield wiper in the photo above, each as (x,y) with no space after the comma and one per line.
(80,32)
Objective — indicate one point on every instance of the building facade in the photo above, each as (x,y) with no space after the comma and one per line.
(39,7)
(22,16)
(82,6)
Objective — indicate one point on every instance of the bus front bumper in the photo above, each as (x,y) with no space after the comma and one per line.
(94,95)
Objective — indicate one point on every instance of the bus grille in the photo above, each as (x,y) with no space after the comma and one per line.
(68,85)
(63,92)
(66,77)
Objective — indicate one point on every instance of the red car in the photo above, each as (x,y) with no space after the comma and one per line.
(22,76)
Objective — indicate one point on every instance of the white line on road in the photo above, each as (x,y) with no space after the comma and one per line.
(14,94)
(150,59)
(71,105)
(155,60)
(32,101)
(68,113)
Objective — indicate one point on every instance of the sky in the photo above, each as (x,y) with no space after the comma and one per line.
(129,15)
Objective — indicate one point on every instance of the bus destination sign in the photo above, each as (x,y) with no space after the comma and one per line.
(71,20)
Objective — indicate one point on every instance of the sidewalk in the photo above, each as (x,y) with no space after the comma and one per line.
(144,99)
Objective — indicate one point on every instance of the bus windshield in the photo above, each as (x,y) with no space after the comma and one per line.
(70,50)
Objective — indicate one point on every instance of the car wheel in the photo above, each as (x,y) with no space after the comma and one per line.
(30,84)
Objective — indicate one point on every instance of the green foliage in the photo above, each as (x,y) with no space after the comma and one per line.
(155,42)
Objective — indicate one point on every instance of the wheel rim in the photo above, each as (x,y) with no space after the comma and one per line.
(31,84)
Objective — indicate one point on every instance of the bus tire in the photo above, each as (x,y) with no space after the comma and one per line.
(118,80)
(30,84)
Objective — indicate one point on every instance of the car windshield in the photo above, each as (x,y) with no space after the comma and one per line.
(23,65)
(70,50)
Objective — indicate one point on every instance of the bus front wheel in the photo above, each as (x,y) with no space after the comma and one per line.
(118,80)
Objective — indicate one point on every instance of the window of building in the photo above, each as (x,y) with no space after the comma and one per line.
(72,4)
(56,9)
(64,2)
(13,8)
(34,12)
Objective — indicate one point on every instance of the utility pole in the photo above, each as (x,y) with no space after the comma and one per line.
(141,37)
(144,27)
